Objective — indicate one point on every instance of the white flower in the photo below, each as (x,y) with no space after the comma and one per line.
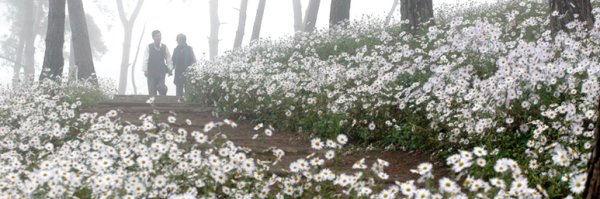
(422,194)
(248,165)
(160,181)
(316,144)
(519,185)
(423,168)
(330,154)
(479,151)
(497,182)
(449,186)
(209,126)
(481,162)
(342,139)
(408,188)
(461,164)
(360,164)
(144,162)
(577,183)
(171,119)
(268,132)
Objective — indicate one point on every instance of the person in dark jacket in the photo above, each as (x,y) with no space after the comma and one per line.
(157,63)
(183,57)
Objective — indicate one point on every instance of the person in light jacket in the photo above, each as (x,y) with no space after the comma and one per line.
(157,63)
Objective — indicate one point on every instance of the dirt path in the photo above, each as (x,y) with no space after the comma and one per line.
(294,144)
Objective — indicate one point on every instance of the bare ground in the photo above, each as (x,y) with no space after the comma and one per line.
(294,144)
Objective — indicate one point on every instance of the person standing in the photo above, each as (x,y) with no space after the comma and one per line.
(157,63)
(183,57)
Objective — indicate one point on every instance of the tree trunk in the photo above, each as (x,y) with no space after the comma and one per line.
(19,59)
(592,185)
(564,11)
(72,65)
(128,24)
(137,52)
(32,14)
(258,20)
(239,34)
(213,41)
(125,60)
(391,13)
(417,13)
(53,58)
(310,18)
(339,13)
(298,26)
(81,42)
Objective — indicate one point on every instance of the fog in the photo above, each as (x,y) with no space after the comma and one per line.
(173,17)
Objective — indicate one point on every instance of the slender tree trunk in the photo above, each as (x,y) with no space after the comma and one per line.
(564,11)
(55,38)
(391,13)
(33,12)
(213,41)
(592,185)
(137,52)
(417,13)
(72,66)
(339,13)
(125,60)
(81,42)
(19,59)
(239,34)
(310,18)
(298,26)
(258,20)
(128,24)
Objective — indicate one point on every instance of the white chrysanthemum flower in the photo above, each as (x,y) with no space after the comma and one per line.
(316,144)
(408,188)
(330,154)
(448,186)
(342,139)
(577,183)
(479,151)
(208,127)
(360,164)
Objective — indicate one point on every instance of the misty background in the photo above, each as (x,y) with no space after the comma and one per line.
(172,17)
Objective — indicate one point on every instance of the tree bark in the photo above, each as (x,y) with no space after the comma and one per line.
(81,42)
(339,14)
(298,26)
(128,24)
(258,20)
(310,18)
(213,40)
(53,58)
(72,66)
(417,13)
(391,13)
(592,185)
(239,34)
(19,59)
(33,12)
(137,52)
(564,11)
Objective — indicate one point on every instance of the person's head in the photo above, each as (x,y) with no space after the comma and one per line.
(181,39)
(156,36)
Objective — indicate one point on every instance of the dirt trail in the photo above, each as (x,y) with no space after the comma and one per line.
(294,144)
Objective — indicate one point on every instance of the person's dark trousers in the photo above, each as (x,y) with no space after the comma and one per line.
(179,89)
(156,85)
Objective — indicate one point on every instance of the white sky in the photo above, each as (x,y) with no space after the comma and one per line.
(191,17)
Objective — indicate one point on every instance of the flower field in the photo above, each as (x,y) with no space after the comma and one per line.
(509,104)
